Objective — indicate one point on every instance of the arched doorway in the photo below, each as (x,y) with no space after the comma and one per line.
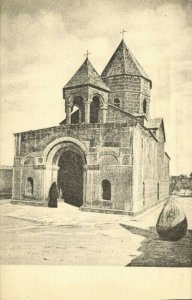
(65,159)
(70,177)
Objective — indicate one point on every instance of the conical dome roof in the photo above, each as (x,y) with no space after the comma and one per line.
(123,62)
(86,75)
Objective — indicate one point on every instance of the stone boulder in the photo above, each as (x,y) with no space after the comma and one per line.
(172,222)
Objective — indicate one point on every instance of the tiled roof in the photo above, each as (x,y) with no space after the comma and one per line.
(86,74)
(123,62)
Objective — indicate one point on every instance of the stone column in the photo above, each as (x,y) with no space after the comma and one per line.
(84,185)
(87,111)
(68,114)
(80,115)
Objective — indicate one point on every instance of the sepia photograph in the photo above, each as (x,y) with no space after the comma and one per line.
(95,142)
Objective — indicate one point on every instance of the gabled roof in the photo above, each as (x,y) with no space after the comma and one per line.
(155,124)
(123,62)
(86,75)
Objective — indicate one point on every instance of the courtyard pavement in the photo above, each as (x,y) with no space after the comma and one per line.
(68,236)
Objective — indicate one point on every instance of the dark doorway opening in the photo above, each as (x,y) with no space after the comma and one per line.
(70,177)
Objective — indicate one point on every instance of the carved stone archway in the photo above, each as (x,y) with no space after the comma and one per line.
(65,164)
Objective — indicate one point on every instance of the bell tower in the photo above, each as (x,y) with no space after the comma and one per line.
(88,94)
(129,84)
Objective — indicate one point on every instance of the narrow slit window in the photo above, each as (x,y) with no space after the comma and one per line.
(144,106)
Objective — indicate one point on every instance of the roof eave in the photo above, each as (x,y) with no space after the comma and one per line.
(125,74)
(86,85)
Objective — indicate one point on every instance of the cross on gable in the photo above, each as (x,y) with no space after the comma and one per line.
(87,53)
(122,32)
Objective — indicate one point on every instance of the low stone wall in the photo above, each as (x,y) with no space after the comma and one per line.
(6,174)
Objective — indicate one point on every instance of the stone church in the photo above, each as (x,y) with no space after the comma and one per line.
(107,155)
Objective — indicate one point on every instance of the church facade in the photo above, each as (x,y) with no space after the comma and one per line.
(107,155)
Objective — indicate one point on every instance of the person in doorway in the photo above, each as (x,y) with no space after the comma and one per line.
(53,195)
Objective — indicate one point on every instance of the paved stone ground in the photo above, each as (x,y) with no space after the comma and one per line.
(68,236)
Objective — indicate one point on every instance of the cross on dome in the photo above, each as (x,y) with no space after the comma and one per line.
(87,53)
(122,32)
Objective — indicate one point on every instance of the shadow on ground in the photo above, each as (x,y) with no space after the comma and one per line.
(158,253)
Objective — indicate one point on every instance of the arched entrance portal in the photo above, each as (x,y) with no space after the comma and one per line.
(70,177)
(65,160)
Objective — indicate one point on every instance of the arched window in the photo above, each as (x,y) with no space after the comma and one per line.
(106,189)
(94,110)
(29,161)
(144,106)
(29,186)
(117,102)
(78,111)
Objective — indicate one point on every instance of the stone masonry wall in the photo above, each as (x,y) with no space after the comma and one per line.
(102,142)
(131,90)
(120,178)
(150,170)
(144,169)
(116,115)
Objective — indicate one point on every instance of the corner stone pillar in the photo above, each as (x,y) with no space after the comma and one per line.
(103,118)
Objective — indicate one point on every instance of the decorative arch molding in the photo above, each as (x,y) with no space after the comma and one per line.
(109,152)
(57,144)
(108,160)
(28,158)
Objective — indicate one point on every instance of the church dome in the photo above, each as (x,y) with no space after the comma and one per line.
(123,62)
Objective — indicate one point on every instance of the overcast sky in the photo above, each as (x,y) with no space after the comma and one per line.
(43,43)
